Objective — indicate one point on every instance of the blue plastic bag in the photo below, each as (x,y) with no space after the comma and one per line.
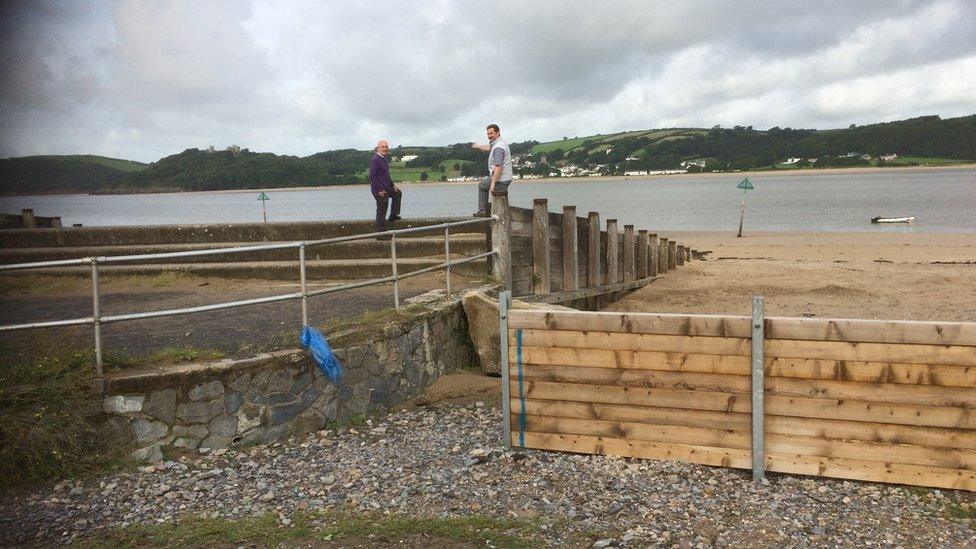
(315,342)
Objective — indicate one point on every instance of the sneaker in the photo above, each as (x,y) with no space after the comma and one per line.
(480,213)
(395,218)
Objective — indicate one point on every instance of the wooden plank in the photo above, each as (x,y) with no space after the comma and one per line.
(872,352)
(672,254)
(848,410)
(642,259)
(741,439)
(872,372)
(582,444)
(593,253)
(741,459)
(570,249)
(563,296)
(662,256)
(629,258)
(653,255)
(784,387)
(698,436)
(522,228)
(733,421)
(736,421)
(540,246)
(634,323)
(872,331)
(724,383)
(635,378)
(637,342)
(613,249)
(521,214)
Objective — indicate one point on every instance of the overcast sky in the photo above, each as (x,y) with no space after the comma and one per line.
(145,79)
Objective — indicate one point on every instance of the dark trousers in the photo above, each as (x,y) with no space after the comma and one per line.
(381,205)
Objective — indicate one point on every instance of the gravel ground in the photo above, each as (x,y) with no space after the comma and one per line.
(449,461)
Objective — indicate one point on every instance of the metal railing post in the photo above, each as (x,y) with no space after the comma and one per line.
(97,316)
(504,299)
(396,278)
(447,257)
(758,386)
(304,286)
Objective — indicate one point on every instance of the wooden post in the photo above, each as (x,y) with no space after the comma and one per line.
(28,219)
(672,254)
(652,256)
(679,260)
(613,252)
(642,259)
(540,246)
(570,250)
(629,253)
(662,257)
(593,251)
(501,239)
(687,254)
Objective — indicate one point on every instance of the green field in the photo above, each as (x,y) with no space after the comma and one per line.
(927,160)
(114,163)
(600,141)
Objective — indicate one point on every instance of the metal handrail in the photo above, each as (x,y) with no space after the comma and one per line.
(97,319)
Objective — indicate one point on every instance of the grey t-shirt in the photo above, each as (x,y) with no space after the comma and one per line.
(498,156)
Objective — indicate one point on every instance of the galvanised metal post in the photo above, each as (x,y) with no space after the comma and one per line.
(301,271)
(504,300)
(97,316)
(447,257)
(396,278)
(758,428)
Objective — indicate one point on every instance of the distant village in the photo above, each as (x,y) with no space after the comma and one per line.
(525,165)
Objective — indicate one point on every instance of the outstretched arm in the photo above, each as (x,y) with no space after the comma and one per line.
(481,146)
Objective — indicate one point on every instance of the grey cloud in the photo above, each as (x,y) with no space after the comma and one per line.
(143,79)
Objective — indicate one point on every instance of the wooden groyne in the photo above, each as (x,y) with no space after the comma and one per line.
(561,257)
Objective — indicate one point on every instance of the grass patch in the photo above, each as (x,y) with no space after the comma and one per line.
(355,328)
(267,530)
(48,414)
(169,355)
(926,160)
(46,420)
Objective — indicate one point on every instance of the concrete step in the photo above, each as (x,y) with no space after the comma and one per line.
(211,233)
(330,269)
(429,246)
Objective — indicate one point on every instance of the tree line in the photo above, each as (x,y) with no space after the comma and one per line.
(735,148)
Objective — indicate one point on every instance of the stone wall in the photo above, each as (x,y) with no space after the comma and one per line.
(265,398)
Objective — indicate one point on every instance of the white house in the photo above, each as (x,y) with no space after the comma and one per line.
(408,157)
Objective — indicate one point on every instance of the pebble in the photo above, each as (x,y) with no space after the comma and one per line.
(431,462)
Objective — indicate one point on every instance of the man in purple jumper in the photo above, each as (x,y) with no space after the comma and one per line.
(382,187)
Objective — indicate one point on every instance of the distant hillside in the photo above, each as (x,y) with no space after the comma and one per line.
(924,140)
(70,173)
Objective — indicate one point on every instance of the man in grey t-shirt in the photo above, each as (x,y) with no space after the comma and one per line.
(499,168)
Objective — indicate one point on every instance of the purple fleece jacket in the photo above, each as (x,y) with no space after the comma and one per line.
(379,175)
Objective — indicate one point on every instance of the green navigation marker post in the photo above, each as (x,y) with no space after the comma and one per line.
(745,185)
(264,199)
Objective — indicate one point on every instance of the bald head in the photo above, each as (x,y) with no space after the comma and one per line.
(382,147)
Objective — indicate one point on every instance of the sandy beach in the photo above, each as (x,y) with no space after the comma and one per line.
(911,276)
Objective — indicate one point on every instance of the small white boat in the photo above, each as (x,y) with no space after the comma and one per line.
(894,219)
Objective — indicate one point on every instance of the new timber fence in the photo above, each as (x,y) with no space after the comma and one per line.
(873,400)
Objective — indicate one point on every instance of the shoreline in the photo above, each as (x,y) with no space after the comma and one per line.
(750,173)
